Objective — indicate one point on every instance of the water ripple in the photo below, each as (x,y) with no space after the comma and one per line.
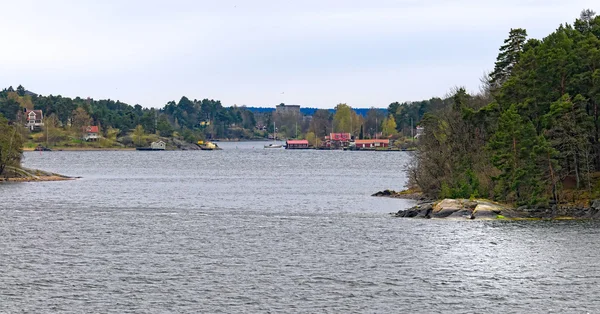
(191,232)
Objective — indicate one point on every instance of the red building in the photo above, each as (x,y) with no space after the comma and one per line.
(296,144)
(91,133)
(372,143)
(338,140)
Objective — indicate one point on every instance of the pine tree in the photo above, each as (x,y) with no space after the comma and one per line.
(21,90)
(569,129)
(584,23)
(508,56)
(513,154)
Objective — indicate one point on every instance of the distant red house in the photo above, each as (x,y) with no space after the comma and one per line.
(91,133)
(296,144)
(340,136)
(338,140)
(372,143)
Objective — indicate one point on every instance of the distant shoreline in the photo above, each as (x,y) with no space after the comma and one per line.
(83,149)
(29,149)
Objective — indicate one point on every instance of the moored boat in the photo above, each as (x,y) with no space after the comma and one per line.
(208,145)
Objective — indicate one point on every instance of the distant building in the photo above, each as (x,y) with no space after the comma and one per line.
(287,109)
(296,144)
(374,143)
(160,145)
(337,140)
(420,131)
(35,120)
(91,133)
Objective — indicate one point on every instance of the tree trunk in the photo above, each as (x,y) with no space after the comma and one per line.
(576,167)
(554,196)
(596,136)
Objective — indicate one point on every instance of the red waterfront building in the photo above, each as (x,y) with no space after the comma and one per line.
(296,144)
(373,143)
(338,140)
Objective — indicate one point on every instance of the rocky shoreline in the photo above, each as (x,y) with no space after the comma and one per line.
(407,195)
(465,209)
(31,175)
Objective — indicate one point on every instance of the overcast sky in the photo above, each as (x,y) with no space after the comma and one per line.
(315,53)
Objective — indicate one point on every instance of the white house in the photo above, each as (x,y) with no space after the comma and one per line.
(91,133)
(35,120)
(420,131)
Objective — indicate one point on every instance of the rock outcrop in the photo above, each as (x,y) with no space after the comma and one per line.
(15,174)
(457,209)
(488,210)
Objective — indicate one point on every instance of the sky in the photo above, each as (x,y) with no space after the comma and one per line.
(315,53)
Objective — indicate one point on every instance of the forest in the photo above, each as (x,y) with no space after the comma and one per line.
(531,136)
(65,118)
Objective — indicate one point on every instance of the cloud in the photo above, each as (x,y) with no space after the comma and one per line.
(326,52)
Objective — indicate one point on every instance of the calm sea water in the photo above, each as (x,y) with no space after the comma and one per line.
(256,230)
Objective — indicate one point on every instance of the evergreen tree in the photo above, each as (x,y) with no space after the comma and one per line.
(569,129)
(361,134)
(513,154)
(508,56)
(11,143)
(21,90)
(163,127)
(584,23)
(9,108)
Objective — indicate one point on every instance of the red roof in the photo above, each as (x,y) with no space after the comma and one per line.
(297,142)
(340,136)
(92,129)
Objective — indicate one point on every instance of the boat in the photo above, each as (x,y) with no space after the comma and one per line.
(274,145)
(208,145)
(42,148)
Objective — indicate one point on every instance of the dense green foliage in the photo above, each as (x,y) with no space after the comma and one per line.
(191,120)
(11,143)
(535,137)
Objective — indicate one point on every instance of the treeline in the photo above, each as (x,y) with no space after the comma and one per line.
(189,119)
(535,140)
(308,111)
